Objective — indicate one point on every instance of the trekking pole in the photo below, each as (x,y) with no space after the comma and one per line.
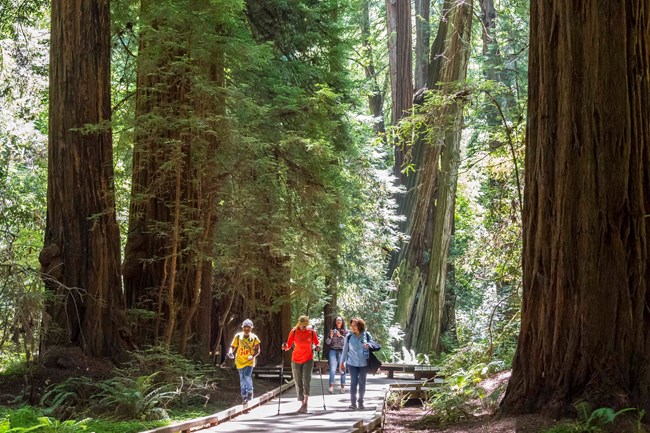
(320,370)
(281,379)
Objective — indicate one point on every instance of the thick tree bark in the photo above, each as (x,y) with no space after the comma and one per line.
(148,244)
(204,323)
(427,327)
(175,180)
(495,69)
(488,16)
(414,252)
(423,261)
(206,146)
(398,14)
(414,256)
(375,97)
(81,253)
(422,36)
(409,268)
(585,332)
(448,325)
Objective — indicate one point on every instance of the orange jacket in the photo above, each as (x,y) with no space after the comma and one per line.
(303,340)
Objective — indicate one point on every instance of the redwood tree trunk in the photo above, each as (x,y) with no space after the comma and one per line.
(585,332)
(153,190)
(398,14)
(175,177)
(81,254)
(422,34)
(423,261)
(375,95)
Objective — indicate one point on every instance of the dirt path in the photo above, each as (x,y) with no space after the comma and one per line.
(406,420)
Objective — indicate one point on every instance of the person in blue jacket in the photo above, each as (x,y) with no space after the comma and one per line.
(355,357)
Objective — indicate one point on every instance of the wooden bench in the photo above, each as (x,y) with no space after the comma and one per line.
(425,371)
(273,372)
(418,371)
(390,369)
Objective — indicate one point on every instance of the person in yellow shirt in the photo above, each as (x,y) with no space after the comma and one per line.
(246,346)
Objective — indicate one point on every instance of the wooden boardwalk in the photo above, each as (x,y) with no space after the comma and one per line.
(263,416)
(336,418)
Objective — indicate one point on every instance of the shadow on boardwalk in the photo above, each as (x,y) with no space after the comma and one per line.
(335,418)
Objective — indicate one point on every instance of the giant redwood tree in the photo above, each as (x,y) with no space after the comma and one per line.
(180,126)
(423,261)
(81,255)
(400,53)
(585,332)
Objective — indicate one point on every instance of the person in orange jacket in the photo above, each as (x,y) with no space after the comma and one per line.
(304,340)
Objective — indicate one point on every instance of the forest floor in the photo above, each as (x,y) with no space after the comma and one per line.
(416,417)
(409,419)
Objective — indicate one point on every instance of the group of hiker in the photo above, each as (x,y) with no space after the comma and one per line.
(349,349)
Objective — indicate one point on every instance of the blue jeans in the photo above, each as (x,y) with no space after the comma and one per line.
(357,378)
(335,362)
(246,381)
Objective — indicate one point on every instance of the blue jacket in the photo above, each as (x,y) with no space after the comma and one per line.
(354,353)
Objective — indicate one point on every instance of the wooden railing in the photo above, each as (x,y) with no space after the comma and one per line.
(219,417)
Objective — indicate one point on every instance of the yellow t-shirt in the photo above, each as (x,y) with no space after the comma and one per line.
(244,346)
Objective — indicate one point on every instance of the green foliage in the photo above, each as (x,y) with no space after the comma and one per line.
(408,356)
(190,381)
(313,184)
(461,395)
(486,245)
(138,398)
(28,419)
(296,174)
(51,425)
(134,393)
(396,400)
(24,416)
(595,421)
(23,154)
(169,366)
(16,15)
(72,395)
(473,357)
(13,364)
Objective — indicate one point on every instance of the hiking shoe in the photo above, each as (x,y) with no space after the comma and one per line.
(352,406)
